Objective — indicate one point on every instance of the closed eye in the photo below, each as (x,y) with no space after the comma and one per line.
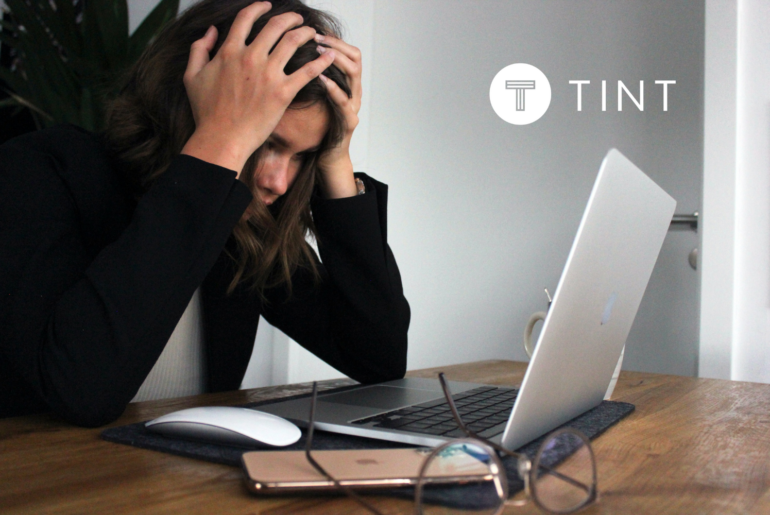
(301,156)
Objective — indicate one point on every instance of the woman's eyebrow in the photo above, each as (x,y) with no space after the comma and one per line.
(311,150)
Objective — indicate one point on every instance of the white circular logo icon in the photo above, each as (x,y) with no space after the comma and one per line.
(520,94)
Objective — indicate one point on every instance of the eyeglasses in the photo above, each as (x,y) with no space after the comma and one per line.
(560,479)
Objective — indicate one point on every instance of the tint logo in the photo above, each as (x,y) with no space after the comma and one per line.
(520,94)
(623,91)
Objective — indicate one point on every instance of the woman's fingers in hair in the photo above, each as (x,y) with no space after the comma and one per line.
(200,53)
(289,44)
(243,23)
(310,71)
(348,106)
(351,70)
(276,27)
(343,62)
(348,60)
(346,49)
(335,92)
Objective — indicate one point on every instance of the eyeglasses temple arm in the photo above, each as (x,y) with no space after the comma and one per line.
(319,468)
(463,427)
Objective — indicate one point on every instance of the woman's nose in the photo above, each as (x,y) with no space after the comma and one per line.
(275,176)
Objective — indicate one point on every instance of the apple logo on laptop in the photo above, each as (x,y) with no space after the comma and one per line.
(366,461)
(608,308)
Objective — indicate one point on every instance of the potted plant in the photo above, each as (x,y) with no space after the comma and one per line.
(69,55)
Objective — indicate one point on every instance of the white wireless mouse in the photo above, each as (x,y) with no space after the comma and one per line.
(227,425)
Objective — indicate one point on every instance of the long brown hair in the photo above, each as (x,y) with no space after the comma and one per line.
(151,120)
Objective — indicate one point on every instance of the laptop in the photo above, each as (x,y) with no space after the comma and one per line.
(594,305)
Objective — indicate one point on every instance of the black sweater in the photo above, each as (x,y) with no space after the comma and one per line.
(93,283)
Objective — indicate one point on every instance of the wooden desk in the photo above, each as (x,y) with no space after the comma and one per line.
(691,446)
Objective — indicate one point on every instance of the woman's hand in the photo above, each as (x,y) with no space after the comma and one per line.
(335,164)
(240,95)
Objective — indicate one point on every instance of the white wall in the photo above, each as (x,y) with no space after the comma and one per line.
(751,346)
(736,279)
(484,212)
(138,9)
(718,215)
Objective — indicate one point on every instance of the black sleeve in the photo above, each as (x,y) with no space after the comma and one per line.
(357,318)
(83,331)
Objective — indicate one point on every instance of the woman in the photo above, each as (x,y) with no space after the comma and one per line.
(228,145)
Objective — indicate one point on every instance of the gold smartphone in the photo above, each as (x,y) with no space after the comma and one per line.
(284,472)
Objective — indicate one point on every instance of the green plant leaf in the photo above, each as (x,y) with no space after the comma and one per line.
(35,44)
(6,25)
(165,11)
(93,46)
(69,67)
(25,15)
(15,82)
(8,102)
(44,68)
(26,103)
(109,19)
(49,83)
(62,23)
(7,40)
(87,111)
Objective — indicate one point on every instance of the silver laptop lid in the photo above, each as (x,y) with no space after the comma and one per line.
(608,268)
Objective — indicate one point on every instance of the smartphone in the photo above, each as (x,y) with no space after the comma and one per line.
(284,472)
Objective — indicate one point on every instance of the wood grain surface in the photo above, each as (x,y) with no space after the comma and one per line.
(692,446)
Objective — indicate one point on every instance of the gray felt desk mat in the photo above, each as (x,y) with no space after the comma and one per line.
(592,423)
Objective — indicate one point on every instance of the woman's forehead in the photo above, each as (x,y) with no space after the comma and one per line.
(302,129)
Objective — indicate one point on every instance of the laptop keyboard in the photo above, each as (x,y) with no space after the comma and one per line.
(485,411)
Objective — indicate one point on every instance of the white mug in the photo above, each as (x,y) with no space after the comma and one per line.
(529,348)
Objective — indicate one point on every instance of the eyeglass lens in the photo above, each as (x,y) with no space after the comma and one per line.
(563,477)
(569,481)
(467,477)
(462,477)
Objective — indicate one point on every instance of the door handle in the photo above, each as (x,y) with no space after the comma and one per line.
(691,220)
